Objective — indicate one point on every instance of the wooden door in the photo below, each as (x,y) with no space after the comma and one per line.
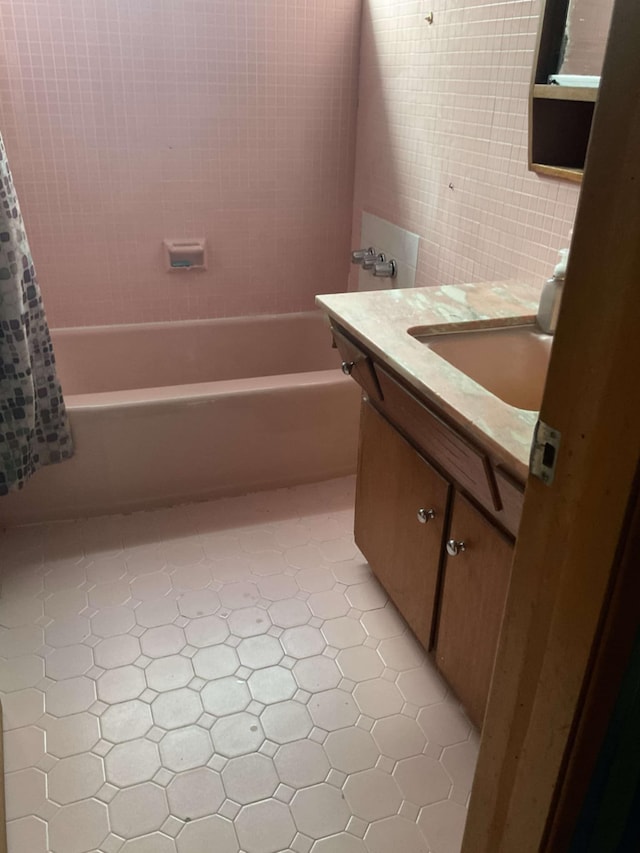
(402,546)
(473,597)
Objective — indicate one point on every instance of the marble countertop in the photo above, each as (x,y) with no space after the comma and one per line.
(380,319)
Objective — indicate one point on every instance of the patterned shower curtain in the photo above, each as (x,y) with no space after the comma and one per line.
(34,429)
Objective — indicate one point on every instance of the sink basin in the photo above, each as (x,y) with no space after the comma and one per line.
(510,361)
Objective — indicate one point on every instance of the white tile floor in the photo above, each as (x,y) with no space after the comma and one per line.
(226,676)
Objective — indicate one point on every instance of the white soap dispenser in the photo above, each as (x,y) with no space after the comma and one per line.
(549,306)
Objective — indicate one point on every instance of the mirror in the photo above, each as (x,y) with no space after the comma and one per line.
(564,89)
(585,38)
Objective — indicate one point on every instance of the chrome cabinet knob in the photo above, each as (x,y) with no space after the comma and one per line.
(454,547)
(347,367)
(425,515)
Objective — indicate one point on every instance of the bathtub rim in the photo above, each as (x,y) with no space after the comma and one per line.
(198,392)
(236,319)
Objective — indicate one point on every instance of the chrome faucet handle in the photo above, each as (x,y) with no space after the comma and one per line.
(385,269)
(361,255)
(372,261)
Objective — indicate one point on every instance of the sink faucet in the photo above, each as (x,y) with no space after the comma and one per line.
(551,296)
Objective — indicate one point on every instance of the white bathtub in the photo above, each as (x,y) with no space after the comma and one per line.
(169,412)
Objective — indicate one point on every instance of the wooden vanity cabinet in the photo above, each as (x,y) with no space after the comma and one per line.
(474,590)
(401,508)
(422,486)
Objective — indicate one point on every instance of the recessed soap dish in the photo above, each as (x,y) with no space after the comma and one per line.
(185,254)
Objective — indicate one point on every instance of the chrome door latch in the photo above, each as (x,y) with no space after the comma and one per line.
(544,452)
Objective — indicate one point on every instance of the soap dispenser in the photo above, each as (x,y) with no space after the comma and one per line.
(549,306)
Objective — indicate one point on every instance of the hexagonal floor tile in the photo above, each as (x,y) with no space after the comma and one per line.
(163,641)
(351,750)
(398,737)
(320,811)
(138,810)
(273,684)
(23,748)
(333,709)
(156,842)
(286,721)
(460,763)
(206,631)
(442,824)
(378,698)
(177,708)
(265,827)
(208,833)
(442,725)
(71,696)
(131,763)
(120,684)
(169,673)
(396,833)
(241,603)
(79,827)
(225,696)
(303,641)
(215,662)
(237,734)
(328,605)
(204,602)
(289,614)
(110,621)
(360,663)
(302,763)
(195,793)
(117,651)
(126,721)
(250,778)
(340,843)
(249,622)
(71,735)
(343,632)
(184,749)
(75,778)
(261,651)
(372,794)
(422,780)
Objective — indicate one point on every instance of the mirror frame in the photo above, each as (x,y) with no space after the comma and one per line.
(560,117)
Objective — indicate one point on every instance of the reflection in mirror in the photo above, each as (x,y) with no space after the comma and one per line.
(585,37)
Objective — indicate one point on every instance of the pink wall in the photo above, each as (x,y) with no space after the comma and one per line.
(447,105)
(127,121)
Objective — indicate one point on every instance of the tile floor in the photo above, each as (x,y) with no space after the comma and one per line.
(224,676)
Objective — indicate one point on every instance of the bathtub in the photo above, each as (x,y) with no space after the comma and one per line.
(164,413)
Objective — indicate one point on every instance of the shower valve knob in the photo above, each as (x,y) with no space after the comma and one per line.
(362,255)
(385,269)
(373,261)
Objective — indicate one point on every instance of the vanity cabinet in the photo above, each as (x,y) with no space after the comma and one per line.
(476,576)
(401,508)
(436,518)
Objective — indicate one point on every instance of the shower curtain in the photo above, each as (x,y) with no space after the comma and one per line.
(34,429)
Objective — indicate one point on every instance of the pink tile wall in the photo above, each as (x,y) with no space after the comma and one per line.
(442,139)
(128,121)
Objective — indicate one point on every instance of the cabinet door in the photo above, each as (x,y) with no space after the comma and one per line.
(473,596)
(401,502)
